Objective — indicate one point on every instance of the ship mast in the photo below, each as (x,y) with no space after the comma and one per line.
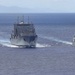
(22,20)
(18,20)
(28,19)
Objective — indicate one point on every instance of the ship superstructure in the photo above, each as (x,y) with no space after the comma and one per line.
(24,35)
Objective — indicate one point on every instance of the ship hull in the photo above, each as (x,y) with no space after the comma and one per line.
(21,42)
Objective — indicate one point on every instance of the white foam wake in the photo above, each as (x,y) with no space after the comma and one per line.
(57,40)
(38,45)
(7,43)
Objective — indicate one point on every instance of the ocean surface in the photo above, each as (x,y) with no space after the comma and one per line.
(54,53)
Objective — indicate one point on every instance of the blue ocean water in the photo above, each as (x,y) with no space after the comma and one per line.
(41,18)
(51,28)
(54,53)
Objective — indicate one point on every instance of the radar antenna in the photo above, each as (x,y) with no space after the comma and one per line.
(22,20)
(18,19)
(28,19)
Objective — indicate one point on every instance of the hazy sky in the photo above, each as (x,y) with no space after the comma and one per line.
(43,5)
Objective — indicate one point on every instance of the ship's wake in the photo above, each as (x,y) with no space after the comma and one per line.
(38,45)
(7,43)
(56,40)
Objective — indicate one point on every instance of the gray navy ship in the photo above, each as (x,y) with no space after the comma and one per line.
(24,35)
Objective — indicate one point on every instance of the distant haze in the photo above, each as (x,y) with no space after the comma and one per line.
(14,9)
(37,6)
